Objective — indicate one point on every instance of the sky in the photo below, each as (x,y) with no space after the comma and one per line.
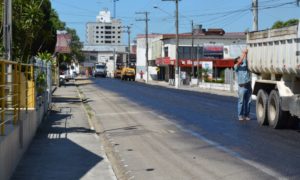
(231,15)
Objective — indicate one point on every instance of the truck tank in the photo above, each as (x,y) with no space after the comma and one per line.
(275,51)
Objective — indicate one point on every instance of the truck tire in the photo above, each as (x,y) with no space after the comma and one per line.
(262,107)
(276,117)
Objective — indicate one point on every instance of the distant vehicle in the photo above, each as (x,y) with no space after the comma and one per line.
(117,73)
(128,73)
(100,70)
(274,56)
(65,75)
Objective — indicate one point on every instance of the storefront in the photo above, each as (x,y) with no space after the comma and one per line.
(167,67)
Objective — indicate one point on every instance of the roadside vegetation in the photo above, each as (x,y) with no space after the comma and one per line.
(34,26)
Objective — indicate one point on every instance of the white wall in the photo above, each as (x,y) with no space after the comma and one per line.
(171,43)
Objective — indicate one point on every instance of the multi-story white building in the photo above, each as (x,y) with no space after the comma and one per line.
(105,31)
(103,42)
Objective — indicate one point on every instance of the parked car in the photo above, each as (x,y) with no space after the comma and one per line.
(100,70)
(65,75)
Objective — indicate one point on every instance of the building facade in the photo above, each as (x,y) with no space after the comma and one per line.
(105,31)
(208,47)
(103,43)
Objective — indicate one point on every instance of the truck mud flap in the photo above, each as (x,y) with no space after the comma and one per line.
(292,104)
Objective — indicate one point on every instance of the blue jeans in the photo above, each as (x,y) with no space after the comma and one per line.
(244,100)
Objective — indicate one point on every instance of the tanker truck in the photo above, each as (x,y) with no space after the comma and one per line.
(274,56)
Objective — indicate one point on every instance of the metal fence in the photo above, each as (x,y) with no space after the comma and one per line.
(17,91)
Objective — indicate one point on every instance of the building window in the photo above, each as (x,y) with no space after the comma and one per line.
(119,36)
(107,27)
(108,37)
(97,41)
(166,51)
(97,27)
(119,41)
(185,52)
(97,32)
(93,58)
(107,42)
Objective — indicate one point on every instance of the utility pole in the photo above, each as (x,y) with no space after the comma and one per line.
(255,15)
(7,30)
(192,50)
(114,65)
(128,31)
(177,77)
(115,11)
(198,69)
(147,44)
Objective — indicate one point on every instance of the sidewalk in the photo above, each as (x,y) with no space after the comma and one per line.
(64,146)
(191,88)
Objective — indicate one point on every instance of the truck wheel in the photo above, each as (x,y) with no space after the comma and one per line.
(276,117)
(261,107)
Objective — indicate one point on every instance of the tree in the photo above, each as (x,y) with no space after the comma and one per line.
(34,29)
(281,24)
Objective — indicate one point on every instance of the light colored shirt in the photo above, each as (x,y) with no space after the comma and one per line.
(242,72)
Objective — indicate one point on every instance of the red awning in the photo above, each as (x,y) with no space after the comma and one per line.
(218,63)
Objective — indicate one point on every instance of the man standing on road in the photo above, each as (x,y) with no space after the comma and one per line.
(244,86)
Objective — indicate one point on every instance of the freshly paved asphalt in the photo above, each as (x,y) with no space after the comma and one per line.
(133,115)
(157,133)
(64,146)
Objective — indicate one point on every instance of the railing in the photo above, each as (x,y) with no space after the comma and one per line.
(17,91)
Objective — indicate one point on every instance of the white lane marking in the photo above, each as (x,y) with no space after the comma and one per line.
(120,113)
(258,166)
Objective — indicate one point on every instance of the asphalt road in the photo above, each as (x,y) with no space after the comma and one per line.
(162,133)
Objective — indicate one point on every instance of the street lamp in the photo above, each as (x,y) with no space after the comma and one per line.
(177,77)
(156,7)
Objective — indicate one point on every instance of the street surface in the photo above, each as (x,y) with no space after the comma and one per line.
(163,133)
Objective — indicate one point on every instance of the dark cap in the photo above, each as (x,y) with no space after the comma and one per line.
(236,59)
